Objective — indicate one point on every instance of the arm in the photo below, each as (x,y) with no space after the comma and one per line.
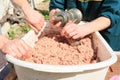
(79,31)
(23,4)
(107,20)
(34,18)
(111,10)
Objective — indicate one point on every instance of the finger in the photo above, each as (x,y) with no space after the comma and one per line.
(70,31)
(65,29)
(58,24)
(77,36)
(52,20)
(68,26)
(25,47)
(57,10)
(52,12)
(67,35)
(63,32)
(14,52)
(17,48)
(27,55)
(73,33)
(8,50)
(21,49)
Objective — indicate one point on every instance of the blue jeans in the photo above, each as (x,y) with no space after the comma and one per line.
(5,71)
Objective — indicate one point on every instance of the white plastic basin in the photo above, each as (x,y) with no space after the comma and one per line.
(96,71)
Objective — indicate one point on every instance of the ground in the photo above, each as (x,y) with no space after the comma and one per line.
(43,5)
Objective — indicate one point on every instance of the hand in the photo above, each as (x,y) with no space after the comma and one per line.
(35,20)
(53,23)
(16,48)
(75,31)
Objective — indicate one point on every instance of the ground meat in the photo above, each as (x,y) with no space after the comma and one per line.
(56,50)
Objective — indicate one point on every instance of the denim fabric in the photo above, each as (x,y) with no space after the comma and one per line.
(6,70)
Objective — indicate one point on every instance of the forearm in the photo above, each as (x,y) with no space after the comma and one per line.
(98,24)
(3,40)
(24,5)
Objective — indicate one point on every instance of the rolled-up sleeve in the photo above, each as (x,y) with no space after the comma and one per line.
(56,4)
(111,10)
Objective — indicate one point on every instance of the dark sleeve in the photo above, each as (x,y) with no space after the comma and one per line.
(56,4)
(111,10)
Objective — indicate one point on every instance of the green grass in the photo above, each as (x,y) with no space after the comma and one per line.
(45,0)
(18,31)
(45,13)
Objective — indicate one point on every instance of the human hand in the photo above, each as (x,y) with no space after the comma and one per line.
(35,20)
(52,19)
(16,48)
(75,31)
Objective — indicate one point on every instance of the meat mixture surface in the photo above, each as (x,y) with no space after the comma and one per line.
(55,50)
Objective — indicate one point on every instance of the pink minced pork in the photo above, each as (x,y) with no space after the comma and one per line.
(54,49)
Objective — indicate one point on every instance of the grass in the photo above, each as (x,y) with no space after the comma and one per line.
(45,13)
(18,31)
(45,0)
